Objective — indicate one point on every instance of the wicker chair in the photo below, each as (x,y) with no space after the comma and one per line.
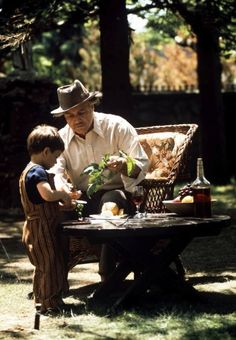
(167,147)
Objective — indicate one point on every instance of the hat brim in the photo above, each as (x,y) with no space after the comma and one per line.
(60,111)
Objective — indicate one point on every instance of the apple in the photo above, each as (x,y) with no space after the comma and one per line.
(187,199)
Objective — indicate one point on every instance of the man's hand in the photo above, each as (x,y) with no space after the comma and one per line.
(117,164)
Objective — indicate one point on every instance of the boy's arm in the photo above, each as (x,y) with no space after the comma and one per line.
(48,194)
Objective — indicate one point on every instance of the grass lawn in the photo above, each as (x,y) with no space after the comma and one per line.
(211,268)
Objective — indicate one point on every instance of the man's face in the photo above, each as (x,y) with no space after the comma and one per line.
(80,118)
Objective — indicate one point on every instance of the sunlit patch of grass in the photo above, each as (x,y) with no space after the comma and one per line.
(166,321)
(226,192)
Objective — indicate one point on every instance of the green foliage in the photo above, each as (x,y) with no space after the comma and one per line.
(150,65)
(171,34)
(27,20)
(21,21)
(164,26)
(79,207)
(130,162)
(204,17)
(65,38)
(98,176)
(63,57)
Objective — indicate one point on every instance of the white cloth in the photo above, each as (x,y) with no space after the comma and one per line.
(110,134)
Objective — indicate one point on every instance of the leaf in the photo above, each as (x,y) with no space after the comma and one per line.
(103,163)
(92,188)
(130,165)
(130,162)
(92,167)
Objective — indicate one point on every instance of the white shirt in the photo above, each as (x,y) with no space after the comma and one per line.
(110,134)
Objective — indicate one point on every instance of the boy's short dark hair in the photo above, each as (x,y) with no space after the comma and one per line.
(43,136)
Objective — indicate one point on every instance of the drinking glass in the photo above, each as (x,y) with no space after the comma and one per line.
(138,198)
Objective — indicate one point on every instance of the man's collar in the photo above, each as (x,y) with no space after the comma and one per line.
(97,125)
(71,134)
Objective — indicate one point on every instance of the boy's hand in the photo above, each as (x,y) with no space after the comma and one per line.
(75,194)
(66,200)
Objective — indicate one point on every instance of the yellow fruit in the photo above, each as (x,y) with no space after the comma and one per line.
(107,213)
(187,199)
(121,212)
(110,209)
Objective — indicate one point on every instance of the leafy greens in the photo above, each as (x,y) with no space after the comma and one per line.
(96,174)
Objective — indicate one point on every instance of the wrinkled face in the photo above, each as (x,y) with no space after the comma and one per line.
(80,118)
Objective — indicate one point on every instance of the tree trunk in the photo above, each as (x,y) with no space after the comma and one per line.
(212,122)
(115,57)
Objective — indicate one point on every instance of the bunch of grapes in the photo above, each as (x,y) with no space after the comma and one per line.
(79,209)
(185,191)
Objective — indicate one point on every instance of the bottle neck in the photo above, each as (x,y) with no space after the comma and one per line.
(200,181)
(200,168)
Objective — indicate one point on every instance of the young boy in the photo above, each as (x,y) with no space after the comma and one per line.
(41,234)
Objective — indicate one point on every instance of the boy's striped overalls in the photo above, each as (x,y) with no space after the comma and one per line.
(41,236)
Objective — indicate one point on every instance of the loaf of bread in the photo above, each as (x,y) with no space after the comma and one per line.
(111,209)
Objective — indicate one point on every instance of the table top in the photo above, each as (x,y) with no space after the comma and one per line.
(161,225)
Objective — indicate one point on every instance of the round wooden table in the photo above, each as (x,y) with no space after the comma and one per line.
(137,242)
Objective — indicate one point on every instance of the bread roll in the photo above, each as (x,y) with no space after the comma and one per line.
(110,209)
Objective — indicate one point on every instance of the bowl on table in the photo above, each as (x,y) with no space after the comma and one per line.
(181,208)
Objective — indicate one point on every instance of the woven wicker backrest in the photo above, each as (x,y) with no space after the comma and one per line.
(167,147)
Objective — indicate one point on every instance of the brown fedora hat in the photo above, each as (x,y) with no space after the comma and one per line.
(70,96)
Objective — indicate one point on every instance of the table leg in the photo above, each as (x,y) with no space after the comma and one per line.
(114,280)
(169,280)
(154,269)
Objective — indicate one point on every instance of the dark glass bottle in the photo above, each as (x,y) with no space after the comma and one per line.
(201,192)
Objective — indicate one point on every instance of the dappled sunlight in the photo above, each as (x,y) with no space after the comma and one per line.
(84,275)
(225,189)
(9,228)
(225,282)
(225,196)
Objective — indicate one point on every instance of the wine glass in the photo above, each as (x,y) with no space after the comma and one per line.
(137,199)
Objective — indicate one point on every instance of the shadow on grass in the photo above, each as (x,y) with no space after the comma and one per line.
(7,277)
(208,303)
(16,333)
(211,279)
(90,335)
(11,247)
(152,310)
(156,301)
(225,331)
